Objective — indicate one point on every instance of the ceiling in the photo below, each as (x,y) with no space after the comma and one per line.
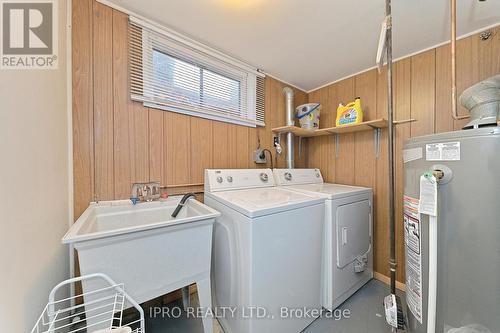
(309,43)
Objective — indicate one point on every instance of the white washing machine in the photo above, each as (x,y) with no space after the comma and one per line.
(348,255)
(267,247)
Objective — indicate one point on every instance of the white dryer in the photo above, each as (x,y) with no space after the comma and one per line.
(267,249)
(348,254)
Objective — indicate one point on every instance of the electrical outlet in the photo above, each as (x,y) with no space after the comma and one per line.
(259,156)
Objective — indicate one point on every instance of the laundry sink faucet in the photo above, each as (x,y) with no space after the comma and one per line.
(145,192)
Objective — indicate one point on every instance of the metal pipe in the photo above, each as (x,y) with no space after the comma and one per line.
(289,122)
(454,108)
(392,189)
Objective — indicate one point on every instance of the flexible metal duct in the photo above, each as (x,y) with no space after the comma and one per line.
(289,113)
(483,102)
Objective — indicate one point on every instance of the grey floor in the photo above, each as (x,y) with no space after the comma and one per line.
(365,306)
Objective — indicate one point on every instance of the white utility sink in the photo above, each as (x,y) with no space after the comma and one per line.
(110,218)
(146,249)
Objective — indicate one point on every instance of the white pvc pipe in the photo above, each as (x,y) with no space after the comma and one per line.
(289,113)
(431,305)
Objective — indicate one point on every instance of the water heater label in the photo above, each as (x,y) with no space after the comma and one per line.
(412,154)
(444,151)
(413,249)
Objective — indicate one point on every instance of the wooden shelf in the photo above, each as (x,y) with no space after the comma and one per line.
(364,126)
(299,131)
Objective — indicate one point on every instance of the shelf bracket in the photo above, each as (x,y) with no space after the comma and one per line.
(337,144)
(300,145)
(376,135)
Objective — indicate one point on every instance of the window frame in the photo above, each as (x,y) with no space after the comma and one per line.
(154,42)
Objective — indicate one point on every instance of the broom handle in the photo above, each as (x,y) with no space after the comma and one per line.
(392,227)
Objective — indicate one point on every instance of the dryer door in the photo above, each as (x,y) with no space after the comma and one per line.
(353,231)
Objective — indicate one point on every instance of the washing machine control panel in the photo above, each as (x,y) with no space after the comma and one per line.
(297,176)
(233,179)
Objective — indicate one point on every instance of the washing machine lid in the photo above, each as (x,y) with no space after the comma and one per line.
(264,201)
(331,191)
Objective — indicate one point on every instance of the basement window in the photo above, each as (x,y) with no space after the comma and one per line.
(172,73)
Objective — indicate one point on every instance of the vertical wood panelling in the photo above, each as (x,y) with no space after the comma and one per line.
(201,148)
(177,138)
(83,118)
(220,145)
(364,151)
(232,146)
(381,223)
(488,51)
(344,164)
(156,149)
(402,93)
(103,101)
(325,146)
(467,74)
(122,107)
(444,120)
(242,147)
(139,143)
(423,81)
(320,148)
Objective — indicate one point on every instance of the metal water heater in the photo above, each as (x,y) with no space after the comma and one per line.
(453,258)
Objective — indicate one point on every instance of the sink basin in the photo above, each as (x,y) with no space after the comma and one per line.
(110,218)
(143,247)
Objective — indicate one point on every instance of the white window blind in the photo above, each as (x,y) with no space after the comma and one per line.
(174,73)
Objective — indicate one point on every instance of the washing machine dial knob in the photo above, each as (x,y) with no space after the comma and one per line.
(288,176)
(230,179)
(219,179)
(264,177)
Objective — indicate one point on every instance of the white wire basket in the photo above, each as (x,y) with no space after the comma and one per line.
(105,308)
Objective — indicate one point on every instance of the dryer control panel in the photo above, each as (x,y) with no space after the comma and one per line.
(297,176)
(236,179)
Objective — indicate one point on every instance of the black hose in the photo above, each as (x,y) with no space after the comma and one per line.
(270,156)
(182,203)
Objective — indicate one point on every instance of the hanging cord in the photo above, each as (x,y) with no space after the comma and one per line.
(264,150)
(283,152)
(270,156)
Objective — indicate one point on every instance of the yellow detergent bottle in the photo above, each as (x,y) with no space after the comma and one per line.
(349,114)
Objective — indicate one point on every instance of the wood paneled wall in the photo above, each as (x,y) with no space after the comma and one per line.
(117,142)
(421,91)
